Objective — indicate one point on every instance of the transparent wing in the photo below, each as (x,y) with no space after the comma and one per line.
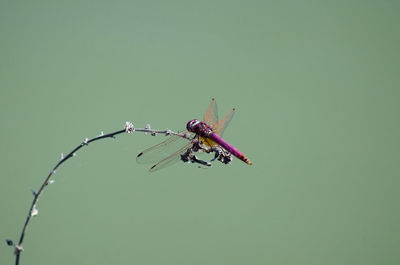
(224,122)
(171,159)
(162,150)
(211,115)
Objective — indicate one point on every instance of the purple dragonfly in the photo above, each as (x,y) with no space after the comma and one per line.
(203,135)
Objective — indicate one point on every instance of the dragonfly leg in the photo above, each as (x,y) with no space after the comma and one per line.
(225,158)
(199,161)
(189,156)
(217,152)
(221,154)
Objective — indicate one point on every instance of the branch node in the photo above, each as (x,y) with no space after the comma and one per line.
(129,128)
(33,193)
(34,211)
(51,181)
(85,141)
(61,156)
(9,242)
(147,127)
(18,249)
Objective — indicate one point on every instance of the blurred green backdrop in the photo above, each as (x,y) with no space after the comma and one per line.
(316,85)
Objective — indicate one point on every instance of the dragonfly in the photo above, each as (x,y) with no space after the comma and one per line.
(205,135)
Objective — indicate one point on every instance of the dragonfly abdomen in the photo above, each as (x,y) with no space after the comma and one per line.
(228,147)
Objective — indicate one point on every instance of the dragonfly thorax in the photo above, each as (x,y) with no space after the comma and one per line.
(199,127)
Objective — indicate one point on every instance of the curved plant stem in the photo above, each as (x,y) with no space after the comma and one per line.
(33,211)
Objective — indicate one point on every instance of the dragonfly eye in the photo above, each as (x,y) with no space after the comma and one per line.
(190,126)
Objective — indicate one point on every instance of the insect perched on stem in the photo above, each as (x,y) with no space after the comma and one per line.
(203,135)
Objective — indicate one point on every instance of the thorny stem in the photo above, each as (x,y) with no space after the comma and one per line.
(128,129)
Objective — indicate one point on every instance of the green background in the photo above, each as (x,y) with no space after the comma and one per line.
(316,85)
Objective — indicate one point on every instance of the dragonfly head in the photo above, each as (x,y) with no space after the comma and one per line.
(191,125)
